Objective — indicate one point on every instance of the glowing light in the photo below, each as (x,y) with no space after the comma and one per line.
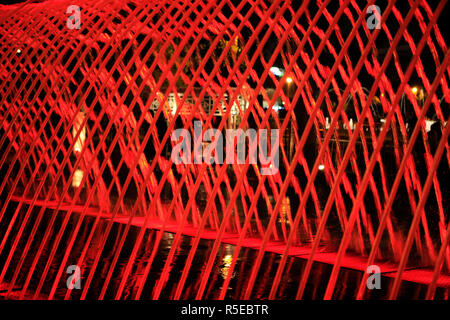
(19,51)
(277,107)
(277,71)
(289,80)
(285,211)
(227,260)
(77,177)
(414,90)
(428,124)
(321,167)
(78,146)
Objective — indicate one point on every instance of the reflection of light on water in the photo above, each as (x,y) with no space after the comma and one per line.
(226,262)
(168,239)
(285,210)
(77,177)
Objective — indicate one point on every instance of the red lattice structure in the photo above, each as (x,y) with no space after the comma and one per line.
(88,112)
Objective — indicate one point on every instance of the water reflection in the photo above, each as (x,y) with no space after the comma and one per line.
(147,269)
(226,263)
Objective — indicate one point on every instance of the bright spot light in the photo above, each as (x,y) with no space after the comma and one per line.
(82,135)
(414,90)
(77,177)
(428,124)
(289,80)
(277,71)
(19,51)
(227,260)
(321,167)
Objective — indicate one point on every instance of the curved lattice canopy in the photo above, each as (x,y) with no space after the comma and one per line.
(93,94)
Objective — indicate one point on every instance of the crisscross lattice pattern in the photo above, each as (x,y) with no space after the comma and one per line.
(87,116)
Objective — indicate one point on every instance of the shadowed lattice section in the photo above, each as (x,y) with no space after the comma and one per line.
(87,122)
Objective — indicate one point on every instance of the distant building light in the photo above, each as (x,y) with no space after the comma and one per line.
(77,177)
(289,80)
(277,107)
(19,51)
(277,71)
(414,90)
(82,135)
(321,167)
(428,124)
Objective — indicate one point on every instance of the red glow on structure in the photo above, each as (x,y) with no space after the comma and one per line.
(87,116)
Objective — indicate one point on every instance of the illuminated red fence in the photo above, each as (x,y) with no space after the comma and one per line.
(91,95)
